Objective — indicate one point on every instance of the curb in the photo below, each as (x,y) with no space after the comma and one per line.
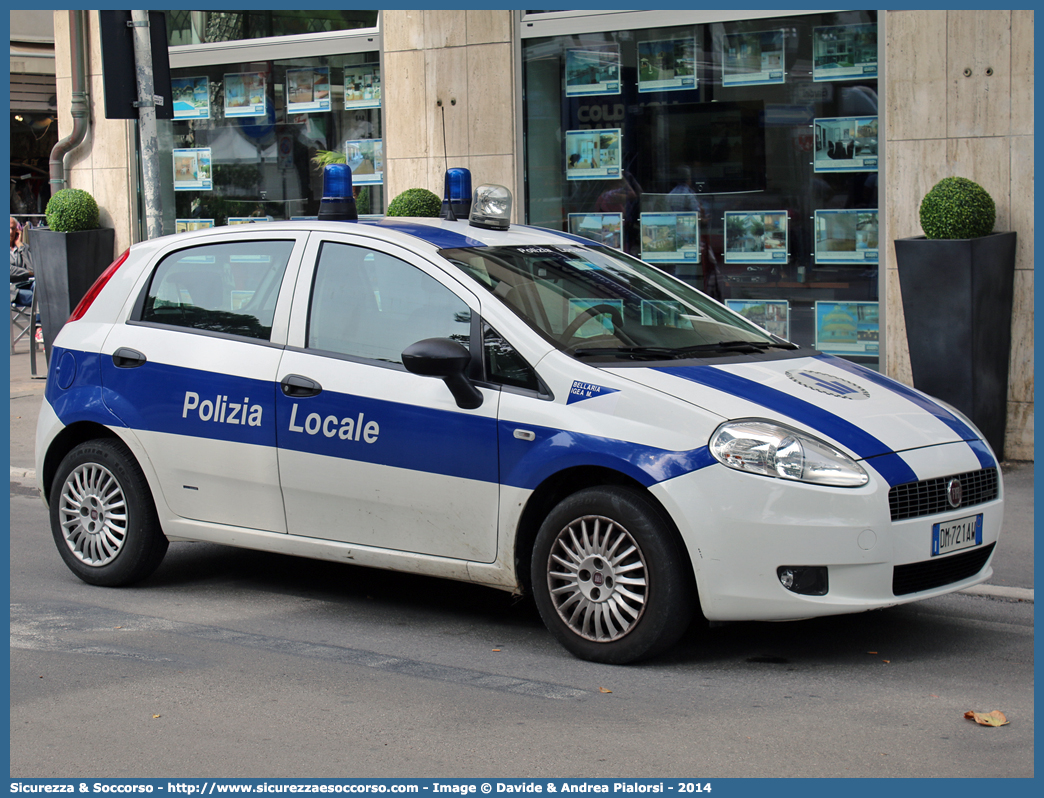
(998,591)
(990,591)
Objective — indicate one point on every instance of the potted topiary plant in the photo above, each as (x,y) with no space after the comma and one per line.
(416,202)
(957,282)
(68,256)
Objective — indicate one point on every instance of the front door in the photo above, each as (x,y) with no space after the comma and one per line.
(369,453)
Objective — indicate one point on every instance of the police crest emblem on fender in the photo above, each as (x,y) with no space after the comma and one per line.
(828,384)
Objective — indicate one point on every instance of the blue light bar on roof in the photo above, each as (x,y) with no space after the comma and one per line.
(456,194)
(338,202)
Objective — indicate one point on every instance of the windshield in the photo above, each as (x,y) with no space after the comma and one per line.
(598,303)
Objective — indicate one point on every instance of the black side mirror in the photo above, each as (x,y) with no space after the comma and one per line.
(448,360)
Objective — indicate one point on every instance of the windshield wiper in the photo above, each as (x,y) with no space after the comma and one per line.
(739,347)
(627,351)
(665,352)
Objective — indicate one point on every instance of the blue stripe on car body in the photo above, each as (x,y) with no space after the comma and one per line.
(152,397)
(433,234)
(525,464)
(891,467)
(965,432)
(85,398)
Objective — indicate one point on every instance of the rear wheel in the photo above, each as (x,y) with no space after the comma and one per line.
(102,516)
(610,577)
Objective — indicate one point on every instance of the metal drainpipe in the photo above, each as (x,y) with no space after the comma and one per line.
(80,109)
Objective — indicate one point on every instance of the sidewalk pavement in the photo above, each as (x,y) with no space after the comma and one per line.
(1012,564)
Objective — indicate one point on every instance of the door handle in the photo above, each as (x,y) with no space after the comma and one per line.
(295,385)
(126,358)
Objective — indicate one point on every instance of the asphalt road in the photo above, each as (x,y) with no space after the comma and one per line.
(232,663)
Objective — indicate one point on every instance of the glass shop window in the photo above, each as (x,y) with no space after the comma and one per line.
(199,27)
(740,156)
(249,140)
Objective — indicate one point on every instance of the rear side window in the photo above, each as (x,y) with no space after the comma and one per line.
(227,288)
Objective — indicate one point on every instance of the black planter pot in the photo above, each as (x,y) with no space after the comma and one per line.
(66,266)
(957,296)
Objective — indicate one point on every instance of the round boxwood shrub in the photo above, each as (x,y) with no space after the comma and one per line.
(415,202)
(957,207)
(72,209)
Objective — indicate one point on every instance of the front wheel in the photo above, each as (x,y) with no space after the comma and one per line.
(102,516)
(610,578)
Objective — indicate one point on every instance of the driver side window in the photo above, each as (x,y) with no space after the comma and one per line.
(371,305)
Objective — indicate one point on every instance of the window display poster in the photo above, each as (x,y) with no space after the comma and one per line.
(846,144)
(667,65)
(604,228)
(752,59)
(245,94)
(366,159)
(844,52)
(308,90)
(191,97)
(592,71)
(756,237)
(848,328)
(248,219)
(772,315)
(670,237)
(593,154)
(362,86)
(188,225)
(192,170)
(846,236)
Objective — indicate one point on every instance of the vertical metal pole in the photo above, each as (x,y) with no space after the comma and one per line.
(149,141)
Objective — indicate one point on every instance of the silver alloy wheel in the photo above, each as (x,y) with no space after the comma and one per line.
(597,578)
(93,513)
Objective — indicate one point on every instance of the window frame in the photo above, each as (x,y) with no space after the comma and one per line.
(280,320)
(302,302)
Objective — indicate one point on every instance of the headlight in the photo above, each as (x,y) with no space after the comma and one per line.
(773,450)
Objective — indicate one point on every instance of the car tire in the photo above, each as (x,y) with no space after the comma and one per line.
(102,515)
(610,577)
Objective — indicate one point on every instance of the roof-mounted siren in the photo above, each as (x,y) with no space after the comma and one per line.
(338,202)
(456,194)
(491,207)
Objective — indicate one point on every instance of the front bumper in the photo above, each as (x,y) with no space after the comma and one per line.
(740,528)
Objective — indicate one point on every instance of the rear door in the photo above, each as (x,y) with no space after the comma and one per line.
(193,373)
(369,453)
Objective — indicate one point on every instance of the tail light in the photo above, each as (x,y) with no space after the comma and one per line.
(99,284)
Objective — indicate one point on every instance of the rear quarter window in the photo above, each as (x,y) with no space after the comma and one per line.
(228,288)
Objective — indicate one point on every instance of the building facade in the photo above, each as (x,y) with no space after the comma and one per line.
(767,158)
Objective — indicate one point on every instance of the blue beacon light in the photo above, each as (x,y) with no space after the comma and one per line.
(456,194)
(338,202)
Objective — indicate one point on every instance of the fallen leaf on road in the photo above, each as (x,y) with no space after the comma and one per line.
(995,718)
(604,690)
(155,716)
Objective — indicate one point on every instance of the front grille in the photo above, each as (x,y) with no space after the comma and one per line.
(915,499)
(918,576)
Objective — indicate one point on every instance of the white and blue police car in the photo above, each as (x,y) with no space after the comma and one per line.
(504,405)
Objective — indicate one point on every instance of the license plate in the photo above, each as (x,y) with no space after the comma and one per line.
(961,533)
